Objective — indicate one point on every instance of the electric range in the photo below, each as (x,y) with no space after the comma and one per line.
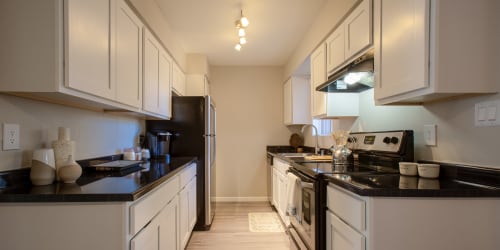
(377,153)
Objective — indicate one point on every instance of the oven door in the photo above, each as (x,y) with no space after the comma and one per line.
(304,223)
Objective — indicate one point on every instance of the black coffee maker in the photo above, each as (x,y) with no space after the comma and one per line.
(158,143)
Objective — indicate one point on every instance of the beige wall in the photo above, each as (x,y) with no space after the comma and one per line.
(458,140)
(151,13)
(96,134)
(249,117)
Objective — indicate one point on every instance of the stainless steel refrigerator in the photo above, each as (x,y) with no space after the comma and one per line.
(193,134)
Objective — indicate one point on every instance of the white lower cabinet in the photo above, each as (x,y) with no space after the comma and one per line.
(356,222)
(161,233)
(280,198)
(341,236)
(187,204)
(153,222)
(169,226)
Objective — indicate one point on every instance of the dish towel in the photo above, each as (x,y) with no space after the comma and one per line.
(293,190)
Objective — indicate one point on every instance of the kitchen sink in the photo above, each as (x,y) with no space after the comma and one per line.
(295,154)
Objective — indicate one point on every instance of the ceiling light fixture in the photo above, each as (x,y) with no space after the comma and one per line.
(243,40)
(241,24)
(241,32)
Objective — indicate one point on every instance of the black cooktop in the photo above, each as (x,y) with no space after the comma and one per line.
(315,168)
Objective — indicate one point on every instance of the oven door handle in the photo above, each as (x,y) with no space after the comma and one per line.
(308,185)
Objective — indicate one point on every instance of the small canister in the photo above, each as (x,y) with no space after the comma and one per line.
(145,154)
(129,154)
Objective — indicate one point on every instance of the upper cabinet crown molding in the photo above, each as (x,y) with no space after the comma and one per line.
(446,55)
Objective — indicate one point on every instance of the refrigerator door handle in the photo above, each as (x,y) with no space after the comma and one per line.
(214,150)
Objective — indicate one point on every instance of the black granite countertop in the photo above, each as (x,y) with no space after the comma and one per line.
(456,180)
(92,186)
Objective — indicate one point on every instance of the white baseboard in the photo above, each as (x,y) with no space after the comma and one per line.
(241,199)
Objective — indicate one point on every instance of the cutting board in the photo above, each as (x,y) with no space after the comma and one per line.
(318,157)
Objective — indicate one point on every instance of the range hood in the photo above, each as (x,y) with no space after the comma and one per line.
(355,77)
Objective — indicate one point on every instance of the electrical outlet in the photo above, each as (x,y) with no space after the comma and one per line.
(430,134)
(10,136)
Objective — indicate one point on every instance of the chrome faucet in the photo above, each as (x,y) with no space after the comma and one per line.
(316,148)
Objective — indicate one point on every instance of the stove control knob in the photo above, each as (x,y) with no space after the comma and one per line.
(394,140)
(351,139)
(386,140)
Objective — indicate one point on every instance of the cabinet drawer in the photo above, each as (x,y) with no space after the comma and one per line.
(187,174)
(348,207)
(147,207)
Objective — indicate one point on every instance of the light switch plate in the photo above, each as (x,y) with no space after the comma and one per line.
(430,133)
(10,136)
(487,114)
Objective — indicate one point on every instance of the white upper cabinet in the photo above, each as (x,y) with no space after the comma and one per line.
(157,77)
(335,47)
(358,28)
(318,76)
(88,54)
(87,47)
(351,37)
(296,98)
(422,55)
(178,81)
(127,61)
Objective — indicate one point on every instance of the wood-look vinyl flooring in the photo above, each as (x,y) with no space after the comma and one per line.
(230,230)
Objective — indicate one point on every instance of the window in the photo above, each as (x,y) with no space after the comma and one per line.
(325,127)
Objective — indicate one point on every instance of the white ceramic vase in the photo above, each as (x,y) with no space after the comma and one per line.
(70,171)
(63,148)
(43,168)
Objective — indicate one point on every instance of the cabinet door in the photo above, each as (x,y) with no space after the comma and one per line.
(192,204)
(169,226)
(287,102)
(335,53)
(358,29)
(318,76)
(148,237)
(401,66)
(157,77)
(127,60)
(151,72)
(282,195)
(339,236)
(183,216)
(87,33)
(275,189)
(164,84)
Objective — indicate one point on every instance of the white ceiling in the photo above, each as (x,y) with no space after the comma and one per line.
(208,27)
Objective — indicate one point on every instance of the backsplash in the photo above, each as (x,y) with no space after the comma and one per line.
(458,140)
(96,134)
